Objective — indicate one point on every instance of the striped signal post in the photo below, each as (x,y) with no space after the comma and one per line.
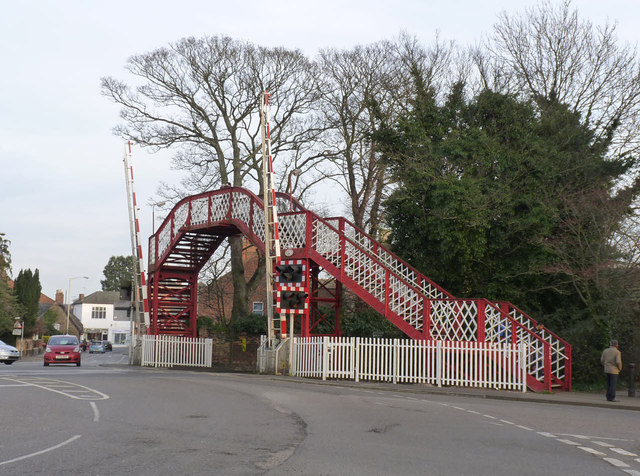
(139,294)
(271,231)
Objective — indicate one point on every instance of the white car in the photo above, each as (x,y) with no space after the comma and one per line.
(8,353)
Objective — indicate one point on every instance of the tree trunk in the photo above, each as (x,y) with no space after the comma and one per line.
(240,288)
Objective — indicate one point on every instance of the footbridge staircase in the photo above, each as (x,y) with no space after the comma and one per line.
(423,310)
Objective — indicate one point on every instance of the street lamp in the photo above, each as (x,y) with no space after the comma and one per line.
(153,213)
(295,172)
(69,299)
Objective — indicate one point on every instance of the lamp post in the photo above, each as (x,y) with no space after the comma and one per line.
(295,172)
(69,299)
(153,214)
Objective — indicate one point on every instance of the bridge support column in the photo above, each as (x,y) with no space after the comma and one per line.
(325,300)
(174,298)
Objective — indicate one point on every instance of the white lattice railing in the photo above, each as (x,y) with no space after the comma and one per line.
(409,291)
(469,364)
(235,205)
(559,349)
(170,351)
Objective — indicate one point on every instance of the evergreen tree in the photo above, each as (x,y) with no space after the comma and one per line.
(27,290)
(515,201)
(118,273)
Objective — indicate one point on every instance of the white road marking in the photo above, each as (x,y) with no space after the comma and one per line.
(613,461)
(584,437)
(622,452)
(616,462)
(602,443)
(41,451)
(591,450)
(96,413)
(48,384)
(569,442)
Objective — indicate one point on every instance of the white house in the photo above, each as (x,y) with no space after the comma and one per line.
(105,316)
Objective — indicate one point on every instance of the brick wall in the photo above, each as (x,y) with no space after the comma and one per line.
(30,346)
(237,356)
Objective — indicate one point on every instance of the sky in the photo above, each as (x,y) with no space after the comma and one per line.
(62,189)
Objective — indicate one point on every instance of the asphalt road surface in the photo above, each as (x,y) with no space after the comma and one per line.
(106,418)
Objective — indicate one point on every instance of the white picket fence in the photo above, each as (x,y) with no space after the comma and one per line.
(168,351)
(467,364)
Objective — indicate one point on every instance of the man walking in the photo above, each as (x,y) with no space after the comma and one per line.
(612,361)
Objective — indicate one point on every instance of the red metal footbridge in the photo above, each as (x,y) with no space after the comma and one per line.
(332,253)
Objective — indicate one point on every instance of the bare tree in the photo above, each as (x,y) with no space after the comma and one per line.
(355,82)
(550,52)
(363,87)
(200,98)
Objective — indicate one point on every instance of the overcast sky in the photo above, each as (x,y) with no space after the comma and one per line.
(62,191)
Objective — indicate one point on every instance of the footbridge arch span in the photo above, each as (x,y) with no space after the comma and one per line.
(423,310)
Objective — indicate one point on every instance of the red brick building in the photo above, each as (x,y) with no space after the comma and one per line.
(216,299)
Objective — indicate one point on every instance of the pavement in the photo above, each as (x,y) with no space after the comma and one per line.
(585,399)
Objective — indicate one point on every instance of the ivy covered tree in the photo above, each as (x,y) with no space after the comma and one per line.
(516,201)
(49,319)
(118,273)
(27,289)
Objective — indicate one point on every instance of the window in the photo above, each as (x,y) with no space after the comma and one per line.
(63,340)
(258,307)
(99,312)
(119,338)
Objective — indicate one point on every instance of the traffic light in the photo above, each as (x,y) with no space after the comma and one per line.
(292,299)
(289,273)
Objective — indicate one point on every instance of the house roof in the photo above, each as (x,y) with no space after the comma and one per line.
(75,321)
(62,309)
(102,297)
(44,307)
(106,297)
(44,299)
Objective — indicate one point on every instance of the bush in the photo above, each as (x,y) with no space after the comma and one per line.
(369,323)
(254,324)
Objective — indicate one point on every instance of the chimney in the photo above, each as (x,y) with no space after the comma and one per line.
(59,296)
(81,297)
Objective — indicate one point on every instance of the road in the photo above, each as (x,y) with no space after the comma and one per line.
(108,418)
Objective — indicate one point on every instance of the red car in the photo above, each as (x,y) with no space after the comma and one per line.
(62,350)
